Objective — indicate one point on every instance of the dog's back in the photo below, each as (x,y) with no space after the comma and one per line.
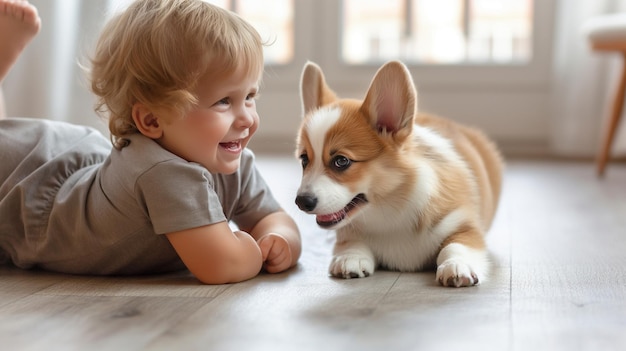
(481,156)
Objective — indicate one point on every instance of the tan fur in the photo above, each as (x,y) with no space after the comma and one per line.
(481,155)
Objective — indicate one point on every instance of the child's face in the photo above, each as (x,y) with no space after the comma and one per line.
(215,132)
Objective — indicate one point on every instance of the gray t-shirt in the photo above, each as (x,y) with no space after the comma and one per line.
(70,203)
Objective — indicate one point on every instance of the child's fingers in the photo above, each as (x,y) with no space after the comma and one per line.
(279,264)
(279,259)
(276,257)
(265,244)
(276,253)
(277,250)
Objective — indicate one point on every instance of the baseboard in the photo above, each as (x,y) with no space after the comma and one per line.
(524,148)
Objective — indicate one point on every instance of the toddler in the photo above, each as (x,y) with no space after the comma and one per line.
(177,80)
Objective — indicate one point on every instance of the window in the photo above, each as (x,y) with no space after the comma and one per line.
(436,32)
(414,31)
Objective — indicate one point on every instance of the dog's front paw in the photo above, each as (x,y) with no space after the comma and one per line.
(456,273)
(351,266)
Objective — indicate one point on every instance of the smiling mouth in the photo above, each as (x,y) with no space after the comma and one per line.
(232,146)
(329,220)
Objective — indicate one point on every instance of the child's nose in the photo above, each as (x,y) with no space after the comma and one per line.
(245,118)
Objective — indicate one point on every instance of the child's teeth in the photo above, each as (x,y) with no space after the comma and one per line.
(231,145)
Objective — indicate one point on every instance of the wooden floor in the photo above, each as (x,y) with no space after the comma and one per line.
(558,283)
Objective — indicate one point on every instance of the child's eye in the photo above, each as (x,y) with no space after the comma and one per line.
(251,96)
(224,101)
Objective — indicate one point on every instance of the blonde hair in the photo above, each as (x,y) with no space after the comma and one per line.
(156,50)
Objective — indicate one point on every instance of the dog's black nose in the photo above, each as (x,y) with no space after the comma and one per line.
(306,202)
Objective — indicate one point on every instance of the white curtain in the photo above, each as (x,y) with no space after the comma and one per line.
(46,81)
(583,81)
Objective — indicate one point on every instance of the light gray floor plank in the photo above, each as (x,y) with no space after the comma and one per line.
(299,313)
(170,285)
(569,258)
(46,322)
(16,284)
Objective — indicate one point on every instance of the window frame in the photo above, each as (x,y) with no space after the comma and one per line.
(317,26)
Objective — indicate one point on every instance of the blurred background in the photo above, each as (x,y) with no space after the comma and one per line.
(521,70)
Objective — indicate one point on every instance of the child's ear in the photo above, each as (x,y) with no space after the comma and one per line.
(147,122)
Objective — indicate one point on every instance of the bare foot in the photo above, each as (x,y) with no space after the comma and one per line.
(19,23)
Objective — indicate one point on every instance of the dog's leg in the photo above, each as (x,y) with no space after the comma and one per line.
(352,258)
(463,260)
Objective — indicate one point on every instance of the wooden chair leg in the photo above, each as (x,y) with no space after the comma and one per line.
(616,114)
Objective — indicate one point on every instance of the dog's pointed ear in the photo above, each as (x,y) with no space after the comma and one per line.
(391,100)
(313,89)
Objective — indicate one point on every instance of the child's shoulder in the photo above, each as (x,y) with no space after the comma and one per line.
(142,155)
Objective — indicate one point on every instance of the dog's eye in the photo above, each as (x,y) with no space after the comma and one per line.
(340,162)
(304,159)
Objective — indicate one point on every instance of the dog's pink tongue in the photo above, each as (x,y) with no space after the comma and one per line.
(333,217)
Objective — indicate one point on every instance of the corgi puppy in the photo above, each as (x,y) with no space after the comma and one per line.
(403,191)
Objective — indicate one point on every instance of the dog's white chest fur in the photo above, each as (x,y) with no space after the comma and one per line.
(396,238)
(396,243)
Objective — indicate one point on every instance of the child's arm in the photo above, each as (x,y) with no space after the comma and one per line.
(279,239)
(217,255)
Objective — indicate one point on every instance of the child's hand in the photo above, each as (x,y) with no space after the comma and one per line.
(276,253)
(281,251)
